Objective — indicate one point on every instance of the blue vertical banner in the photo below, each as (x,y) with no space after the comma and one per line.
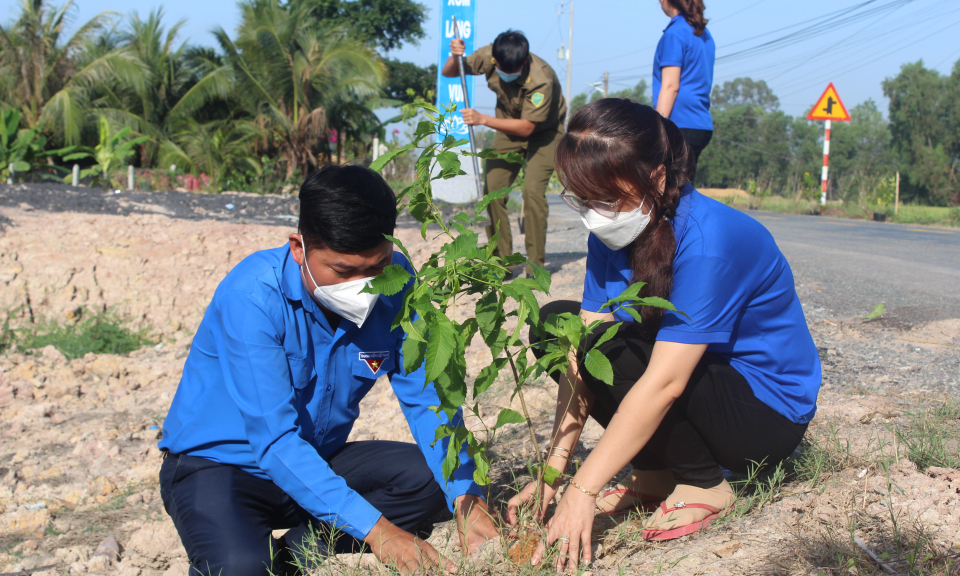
(450,90)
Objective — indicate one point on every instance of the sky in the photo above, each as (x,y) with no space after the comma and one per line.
(855,48)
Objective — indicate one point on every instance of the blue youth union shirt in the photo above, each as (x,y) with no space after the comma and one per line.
(270,388)
(695,56)
(732,280)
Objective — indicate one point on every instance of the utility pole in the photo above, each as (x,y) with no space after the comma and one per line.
(606,84)
(566,121)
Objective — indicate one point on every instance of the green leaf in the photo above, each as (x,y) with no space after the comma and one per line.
(378,164)
(389,282)
(541,277)
(442,431)
(490,197)
(452,461)
(488,375)
(440,345)
(413,352)
(877,311)
(469,327)
(634,314)
(508,416)
(482,473)
(550,474)
(462,245)
(451,388)
(21,166)
(449,163)
(520,290)
(598,366)
(610,333)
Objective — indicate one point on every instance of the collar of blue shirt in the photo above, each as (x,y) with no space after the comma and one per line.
(291,284)
(674,19)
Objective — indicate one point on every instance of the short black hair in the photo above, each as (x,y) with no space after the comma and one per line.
(346,208)
(511,50)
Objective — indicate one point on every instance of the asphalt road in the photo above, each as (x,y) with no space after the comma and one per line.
(842,266)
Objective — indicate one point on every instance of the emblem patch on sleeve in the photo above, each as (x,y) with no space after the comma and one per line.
(537,99)
(375,359)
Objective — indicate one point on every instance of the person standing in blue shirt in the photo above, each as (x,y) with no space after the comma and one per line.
(729,380)
(256,436)
(683,74)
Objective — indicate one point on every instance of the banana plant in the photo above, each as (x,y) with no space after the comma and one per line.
(24,149)
(109,154)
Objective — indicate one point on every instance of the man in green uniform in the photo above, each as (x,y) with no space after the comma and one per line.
(529,120)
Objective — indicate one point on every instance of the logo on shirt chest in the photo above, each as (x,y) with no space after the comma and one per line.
(375,359)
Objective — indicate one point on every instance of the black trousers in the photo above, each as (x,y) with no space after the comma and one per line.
(225,515)
(697,140)
(717,421)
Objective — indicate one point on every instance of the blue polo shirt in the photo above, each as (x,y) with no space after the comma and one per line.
(732,280)
(695,56)
(271,388)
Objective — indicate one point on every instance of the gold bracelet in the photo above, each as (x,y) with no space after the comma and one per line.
(552,454)
(558,448)
(584,490)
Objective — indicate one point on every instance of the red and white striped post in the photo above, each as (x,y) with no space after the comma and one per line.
(826,163)
(828,108)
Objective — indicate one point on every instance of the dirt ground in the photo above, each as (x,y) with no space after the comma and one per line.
(79,462)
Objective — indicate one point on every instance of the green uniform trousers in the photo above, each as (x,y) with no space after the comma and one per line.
(538,151)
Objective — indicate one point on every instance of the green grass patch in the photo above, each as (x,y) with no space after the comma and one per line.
(931,436)
(101,332)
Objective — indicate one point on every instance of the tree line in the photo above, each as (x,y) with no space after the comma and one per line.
(298,82)
(757,147)
(296,85)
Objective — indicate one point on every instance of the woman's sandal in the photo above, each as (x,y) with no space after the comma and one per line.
(655,535)
(647,504)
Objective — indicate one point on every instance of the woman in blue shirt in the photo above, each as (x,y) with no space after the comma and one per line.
(256,436)
(683,74)
(731,380)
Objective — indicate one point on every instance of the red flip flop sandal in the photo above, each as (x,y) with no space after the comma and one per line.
(648,503)
(654,535)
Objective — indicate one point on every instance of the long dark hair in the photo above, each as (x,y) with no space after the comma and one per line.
(692,11)
(615,140)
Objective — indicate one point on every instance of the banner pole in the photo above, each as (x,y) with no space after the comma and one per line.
(466,102)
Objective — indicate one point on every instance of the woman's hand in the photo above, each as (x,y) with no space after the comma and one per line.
(527,497)
(572,525)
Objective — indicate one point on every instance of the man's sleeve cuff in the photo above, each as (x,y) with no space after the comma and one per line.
(358,517)
(682,337)
(664,63)
(458,488)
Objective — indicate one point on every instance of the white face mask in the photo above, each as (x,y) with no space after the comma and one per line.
(344,299)
(619,231)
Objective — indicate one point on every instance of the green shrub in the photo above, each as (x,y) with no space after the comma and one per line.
(98,332)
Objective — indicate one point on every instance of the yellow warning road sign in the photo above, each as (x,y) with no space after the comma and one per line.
(829,107)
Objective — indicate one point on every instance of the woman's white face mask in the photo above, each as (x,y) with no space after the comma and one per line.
(344,299)
(620,230)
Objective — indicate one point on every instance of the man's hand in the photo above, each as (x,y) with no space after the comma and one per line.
(471,117)
(401,549)
(474,523)
(457,47)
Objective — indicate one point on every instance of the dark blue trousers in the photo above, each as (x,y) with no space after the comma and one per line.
(225,516)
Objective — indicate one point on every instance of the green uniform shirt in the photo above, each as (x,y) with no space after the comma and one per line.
(534,96)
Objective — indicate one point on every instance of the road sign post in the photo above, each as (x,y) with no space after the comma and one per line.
(828,108)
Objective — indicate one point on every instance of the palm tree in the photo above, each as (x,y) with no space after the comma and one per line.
(46,76)
(288,71)
(217,148)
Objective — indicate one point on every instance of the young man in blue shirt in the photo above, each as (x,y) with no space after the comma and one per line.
(256,436)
